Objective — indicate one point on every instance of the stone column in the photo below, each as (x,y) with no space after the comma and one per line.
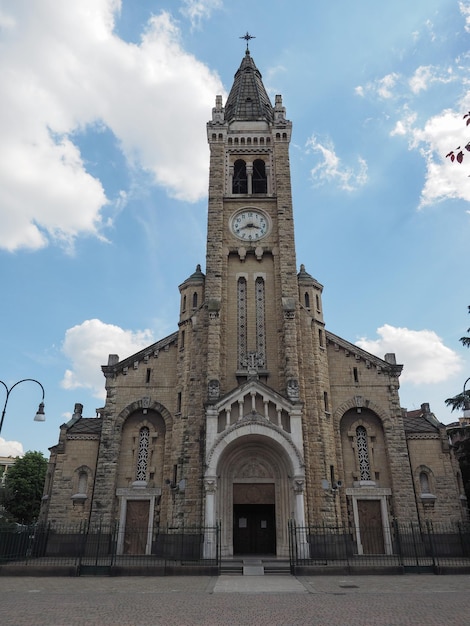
(210,546)
(299,512)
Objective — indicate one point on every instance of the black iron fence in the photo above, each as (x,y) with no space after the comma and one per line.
(402,546)
(102,549)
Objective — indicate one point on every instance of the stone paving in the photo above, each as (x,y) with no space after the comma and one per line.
(411,600)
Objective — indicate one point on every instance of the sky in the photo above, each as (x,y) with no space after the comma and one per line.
(104,175)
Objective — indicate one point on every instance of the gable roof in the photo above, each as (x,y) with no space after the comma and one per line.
(114,368)
(370,359)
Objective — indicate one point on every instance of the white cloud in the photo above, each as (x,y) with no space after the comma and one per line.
(331,169)
(405,125)
(88,346)
(65,71)
(444,179)
(382,87)
(10,448)
(197,10)
(386,84)
(425,358)
(465,11)
(427,75)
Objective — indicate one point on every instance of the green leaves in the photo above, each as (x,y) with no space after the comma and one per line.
(24,484)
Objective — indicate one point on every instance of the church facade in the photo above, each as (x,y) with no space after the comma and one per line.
(252,413)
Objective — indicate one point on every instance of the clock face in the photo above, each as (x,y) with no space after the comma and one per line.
(249,224)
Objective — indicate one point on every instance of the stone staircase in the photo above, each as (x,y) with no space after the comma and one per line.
(254,566)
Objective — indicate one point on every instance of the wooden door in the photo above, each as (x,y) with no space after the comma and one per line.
(137,520)
(254,530)
(371,526)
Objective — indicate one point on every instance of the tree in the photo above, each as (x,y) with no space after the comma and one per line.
(458,153)
(24,484)
(458,401)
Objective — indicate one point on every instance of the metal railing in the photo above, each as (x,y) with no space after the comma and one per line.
(108,549)
(403,545)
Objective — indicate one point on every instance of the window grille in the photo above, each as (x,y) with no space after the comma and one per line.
(363,453)
(143,454)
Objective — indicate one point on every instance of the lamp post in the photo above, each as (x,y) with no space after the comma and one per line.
(40,416)
(466,401)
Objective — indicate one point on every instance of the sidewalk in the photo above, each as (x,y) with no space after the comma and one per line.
(426,600)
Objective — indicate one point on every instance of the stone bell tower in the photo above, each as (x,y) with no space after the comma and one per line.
(254,478)
(251,283)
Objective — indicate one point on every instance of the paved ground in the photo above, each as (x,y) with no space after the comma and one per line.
(411,600)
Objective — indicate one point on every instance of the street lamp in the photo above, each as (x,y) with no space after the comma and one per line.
(466,402)
(40,416)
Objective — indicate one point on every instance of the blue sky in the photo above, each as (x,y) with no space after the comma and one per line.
(104,172)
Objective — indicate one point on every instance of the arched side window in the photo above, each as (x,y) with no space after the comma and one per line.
(260,322)
(307,300)
(260,181)
(82,482)
(143,454)
(424,482)
(195,300)
(240,179)
(82,475)
(242,321)
(363,453)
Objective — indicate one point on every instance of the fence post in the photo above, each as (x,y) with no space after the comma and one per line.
(396,530)
(414,544)
(463,543)
(114,538)
(218,532)
(291,546)
(346,550)
(429,529)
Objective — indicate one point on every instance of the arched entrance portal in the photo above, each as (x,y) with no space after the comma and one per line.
(255,496)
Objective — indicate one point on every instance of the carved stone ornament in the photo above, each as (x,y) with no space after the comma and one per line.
(146,402)
(293,389)
(298,485)
(213,390)
(210,485)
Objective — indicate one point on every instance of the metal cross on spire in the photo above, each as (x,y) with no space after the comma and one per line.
(247,38)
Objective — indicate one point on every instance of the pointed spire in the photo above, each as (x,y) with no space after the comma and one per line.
(248,100)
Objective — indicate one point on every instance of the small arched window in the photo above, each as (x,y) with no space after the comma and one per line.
(260,181)
(363,453)
(307,300)
(424,482)
(240,180)
(82,482)
(195,300)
